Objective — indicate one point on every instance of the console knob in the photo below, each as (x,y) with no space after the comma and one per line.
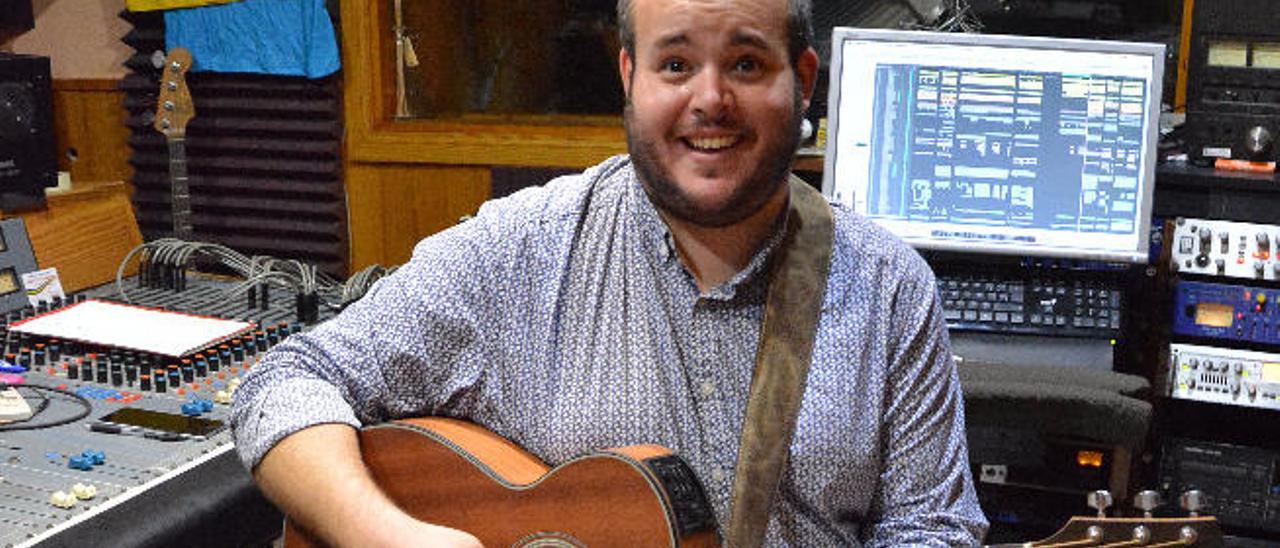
(1221,264)
(1257,142)
(62,499)
(1259,268)
(84,491)
(1264,241)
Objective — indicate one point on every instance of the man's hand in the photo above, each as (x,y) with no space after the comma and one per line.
(428,535)
(317,477)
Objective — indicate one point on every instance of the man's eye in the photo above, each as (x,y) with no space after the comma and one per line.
(746,64)
(674,65)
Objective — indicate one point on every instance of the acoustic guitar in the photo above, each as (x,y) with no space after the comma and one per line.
(454,473)
(173,110)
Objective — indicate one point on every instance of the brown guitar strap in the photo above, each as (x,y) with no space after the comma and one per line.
(796,288)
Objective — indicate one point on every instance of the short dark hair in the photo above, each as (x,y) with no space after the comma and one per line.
(799,28)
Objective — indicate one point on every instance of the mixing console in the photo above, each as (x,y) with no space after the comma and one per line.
(112,425)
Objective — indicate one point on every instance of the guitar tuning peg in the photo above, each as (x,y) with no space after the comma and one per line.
(1146,500)
(1192,501)
(1100,500)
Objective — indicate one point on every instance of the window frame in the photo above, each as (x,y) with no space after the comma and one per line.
(374,135)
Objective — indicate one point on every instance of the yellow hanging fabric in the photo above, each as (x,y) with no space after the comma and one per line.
(152,5)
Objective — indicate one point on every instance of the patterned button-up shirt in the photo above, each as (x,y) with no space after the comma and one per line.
(562,319)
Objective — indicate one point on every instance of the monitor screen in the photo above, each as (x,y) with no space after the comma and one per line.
(996,144)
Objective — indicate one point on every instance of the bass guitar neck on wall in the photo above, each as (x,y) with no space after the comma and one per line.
(173,110)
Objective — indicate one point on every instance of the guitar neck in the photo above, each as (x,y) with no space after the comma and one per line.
(180,189)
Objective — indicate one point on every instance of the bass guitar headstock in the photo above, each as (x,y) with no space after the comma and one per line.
(1193,531)
(173,107)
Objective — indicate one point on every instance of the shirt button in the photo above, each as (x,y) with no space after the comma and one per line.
(707,388)
(717,475)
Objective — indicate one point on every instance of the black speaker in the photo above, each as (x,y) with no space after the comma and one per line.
(28,156)
(16,17)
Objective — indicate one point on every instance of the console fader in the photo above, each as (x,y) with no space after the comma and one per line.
(57,478)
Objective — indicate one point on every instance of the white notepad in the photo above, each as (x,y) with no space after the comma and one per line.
(132,327)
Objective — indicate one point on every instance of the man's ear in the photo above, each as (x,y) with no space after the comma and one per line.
(624,70)
(807,70)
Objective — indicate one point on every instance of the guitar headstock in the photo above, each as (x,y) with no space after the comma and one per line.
(173,106)
(1199,531)
(1194,530)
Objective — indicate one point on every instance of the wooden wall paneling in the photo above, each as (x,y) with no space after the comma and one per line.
(392,206)
(89,118)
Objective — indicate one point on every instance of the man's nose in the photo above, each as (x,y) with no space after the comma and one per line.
(712,94)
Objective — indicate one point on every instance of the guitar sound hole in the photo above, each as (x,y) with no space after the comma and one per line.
(549,539)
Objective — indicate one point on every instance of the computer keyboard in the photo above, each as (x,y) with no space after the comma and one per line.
(1031,304)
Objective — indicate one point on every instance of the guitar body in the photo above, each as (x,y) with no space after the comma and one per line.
(459,475)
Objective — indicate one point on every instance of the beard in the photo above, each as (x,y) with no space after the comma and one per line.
(749,195)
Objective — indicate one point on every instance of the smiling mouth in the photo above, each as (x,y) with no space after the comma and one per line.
(711,144)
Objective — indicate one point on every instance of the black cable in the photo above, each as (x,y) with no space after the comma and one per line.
(44,402)
(24,423)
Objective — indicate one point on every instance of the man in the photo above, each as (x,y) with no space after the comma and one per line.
(623,306)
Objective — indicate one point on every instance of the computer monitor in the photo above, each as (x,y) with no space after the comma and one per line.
(996,144)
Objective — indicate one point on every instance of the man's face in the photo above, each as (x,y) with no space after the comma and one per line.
(714,105)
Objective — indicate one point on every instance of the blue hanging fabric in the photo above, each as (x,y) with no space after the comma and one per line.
(282,37)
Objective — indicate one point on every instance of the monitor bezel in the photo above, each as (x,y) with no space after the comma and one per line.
(1156,52)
